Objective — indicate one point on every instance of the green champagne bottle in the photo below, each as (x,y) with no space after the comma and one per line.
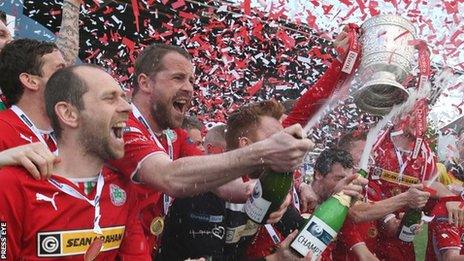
(409,225)
(268,194)
(324,224)
(2,106)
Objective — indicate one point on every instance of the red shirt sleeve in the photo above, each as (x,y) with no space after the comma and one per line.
(138,145)
(308,104)
(11,212)
(445,235)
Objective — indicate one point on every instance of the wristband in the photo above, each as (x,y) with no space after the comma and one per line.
(388,218)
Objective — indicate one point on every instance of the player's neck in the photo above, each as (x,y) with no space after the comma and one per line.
(76,162)
(35,113)
(143,105)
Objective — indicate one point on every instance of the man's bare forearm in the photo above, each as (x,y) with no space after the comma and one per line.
(193,175)
(68,37)
(368,211)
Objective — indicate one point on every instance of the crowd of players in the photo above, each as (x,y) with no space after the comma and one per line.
(88,174)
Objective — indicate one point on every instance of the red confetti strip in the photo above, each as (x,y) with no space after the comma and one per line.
(255,88)
(288,41)
(346,2)
(135,10)
(187,15)
(327,8)
(178,4)
(247,7)
(350,12)
(373,5)
(361,5)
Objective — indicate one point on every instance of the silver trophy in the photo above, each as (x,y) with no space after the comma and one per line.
(386,61)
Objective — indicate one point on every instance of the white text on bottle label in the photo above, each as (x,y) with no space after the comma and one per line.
(407,233)
(256,206)
(314,237)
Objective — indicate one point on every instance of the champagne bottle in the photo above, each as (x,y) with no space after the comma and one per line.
(268,194)
(324,224)
(409,224)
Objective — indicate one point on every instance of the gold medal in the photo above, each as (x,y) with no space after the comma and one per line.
(157,225)
(372,232)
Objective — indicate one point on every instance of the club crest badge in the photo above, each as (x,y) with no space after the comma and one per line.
(118,195)
(171,135)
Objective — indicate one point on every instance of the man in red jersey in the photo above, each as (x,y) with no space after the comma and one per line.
(83,207)
(25,67)
(445,239)
(157,149)
(358,238)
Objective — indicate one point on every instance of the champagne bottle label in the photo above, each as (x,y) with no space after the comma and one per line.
(408,232)
(256,206)
(314,237)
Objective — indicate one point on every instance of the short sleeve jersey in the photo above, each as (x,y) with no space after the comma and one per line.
(442,235)
(14,132)
(138,146)
(41,222)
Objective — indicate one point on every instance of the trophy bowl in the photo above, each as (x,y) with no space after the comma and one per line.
(386,61)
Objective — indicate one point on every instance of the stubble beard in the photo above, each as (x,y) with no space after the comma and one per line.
(162,115)
(95,141)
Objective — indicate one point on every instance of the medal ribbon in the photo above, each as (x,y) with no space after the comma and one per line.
(95,202)
(141,119)
(23,117)
(166,198)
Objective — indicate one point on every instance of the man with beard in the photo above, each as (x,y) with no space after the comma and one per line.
(83,208)
(157,149)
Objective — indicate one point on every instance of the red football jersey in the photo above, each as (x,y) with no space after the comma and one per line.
(39,221)
(15,132)
(387,158)
(442,235)
(138,146)
(384,182)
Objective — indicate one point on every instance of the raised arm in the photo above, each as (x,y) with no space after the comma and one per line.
(316,95)
(68,37)
(192,175)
